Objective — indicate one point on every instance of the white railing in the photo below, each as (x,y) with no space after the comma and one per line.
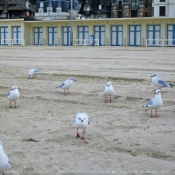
(78,42)
(168,42)
(160,42)
(12,42)
(84,42)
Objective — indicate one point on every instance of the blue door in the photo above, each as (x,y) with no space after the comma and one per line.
(52,35)
(134,35)
(16,35)
(38,34)
(99,33)
(83,33)
(66,36)
(117,35)
(3,36)
(153,35)
(171,34)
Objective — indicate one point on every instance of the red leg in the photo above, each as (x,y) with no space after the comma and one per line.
(10,105)
(64,92)
(15,104)
(68,91)
(110,99)
(156,112)
(83,135)
(78,135)
(151,113)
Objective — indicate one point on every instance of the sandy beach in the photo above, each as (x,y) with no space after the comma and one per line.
(39,136)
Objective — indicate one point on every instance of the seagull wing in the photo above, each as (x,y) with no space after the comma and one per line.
(61,85)
(163,83)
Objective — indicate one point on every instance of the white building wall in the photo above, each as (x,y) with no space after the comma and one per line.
(170,7)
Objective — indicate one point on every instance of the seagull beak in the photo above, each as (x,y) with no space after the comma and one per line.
(151,76)
(75,80)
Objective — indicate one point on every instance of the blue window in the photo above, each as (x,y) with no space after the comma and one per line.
(3,36)
(16,35)
(134,35)
(117,35)
(52,34)
(38,36)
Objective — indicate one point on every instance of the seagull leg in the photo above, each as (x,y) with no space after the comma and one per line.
(83,135)
(68,91)
(110,99)
(156,112)
(78,135)
(106,99)
(64,92)
(151,113)
(10,105)
(15,104)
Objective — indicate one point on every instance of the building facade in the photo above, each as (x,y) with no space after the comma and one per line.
(93,9)
(12,9)
(163,8)
(56,10)
(150,31)
(131,8)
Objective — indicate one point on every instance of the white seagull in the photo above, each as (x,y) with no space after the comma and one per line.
(33,73)
(66,84)
(155,102)
(13,95)
(4,160)
(108,91)
(158,82)
(81,120)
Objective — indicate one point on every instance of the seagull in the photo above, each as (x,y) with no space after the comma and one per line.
(81,120)
(13,95)
(155,102)
(4,160)
(33,72)
(159,82)
(66,84)
(108,91)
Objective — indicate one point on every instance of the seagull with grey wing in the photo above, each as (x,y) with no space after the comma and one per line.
(66,84)
(108,91)
(158,82)
(13,95)
(155,102)
(33,73)
(82,121)
(4,160)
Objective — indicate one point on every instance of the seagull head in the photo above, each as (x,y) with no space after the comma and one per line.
(109,84)
(81,119)
(14,88)
(154,75)
(158,91)
(72,79)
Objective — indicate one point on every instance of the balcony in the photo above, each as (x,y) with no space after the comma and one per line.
(134,7)
(126,1)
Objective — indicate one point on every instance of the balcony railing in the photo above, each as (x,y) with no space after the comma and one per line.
(126,1)
(134,7)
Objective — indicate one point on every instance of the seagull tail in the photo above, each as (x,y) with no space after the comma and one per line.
(171,85)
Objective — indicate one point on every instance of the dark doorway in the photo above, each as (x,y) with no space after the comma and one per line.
(162,11)
(120,5)
(120,15)
(133,14)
